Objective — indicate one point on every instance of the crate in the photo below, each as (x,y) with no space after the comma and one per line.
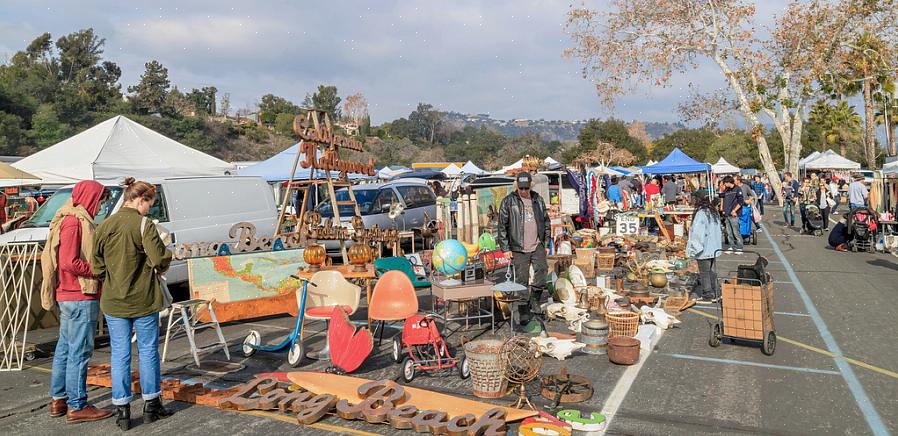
(747,309)
(605,261)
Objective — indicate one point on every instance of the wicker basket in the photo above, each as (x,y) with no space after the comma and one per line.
(622,323)
(675,302)
(487,375)
(605,261)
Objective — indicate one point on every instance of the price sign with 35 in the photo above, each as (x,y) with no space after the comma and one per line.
(627,225)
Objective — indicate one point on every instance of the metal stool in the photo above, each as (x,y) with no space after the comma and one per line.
(187,320)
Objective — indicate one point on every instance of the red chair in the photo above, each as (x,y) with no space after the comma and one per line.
(393,299)
(332,291)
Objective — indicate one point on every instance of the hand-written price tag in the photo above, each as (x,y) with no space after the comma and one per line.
(626,225)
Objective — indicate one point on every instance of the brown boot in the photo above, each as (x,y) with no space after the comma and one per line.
(89,413)
(58,408)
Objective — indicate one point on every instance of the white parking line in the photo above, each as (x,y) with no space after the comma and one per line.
(617,396)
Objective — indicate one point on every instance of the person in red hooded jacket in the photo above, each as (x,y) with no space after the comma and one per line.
(77,294)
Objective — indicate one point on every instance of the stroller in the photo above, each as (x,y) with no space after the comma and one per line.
(862,227)
(813,219)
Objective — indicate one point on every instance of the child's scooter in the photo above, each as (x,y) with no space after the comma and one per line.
(296,350)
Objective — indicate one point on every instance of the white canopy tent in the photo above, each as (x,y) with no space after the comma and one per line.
(890,168)
(116,148)
(808,158)
(520,162)
(830,160)
(452,170)
(607,171)
(470,168)
(724,167)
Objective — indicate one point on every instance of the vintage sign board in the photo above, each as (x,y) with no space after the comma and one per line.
(626,224)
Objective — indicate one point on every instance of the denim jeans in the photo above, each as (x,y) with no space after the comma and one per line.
(147,329)
(74,348)
(707,277)
(853,206)
(522,262)
(734,236)
(789,212)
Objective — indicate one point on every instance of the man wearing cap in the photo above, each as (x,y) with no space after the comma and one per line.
(523,228)
(857,193)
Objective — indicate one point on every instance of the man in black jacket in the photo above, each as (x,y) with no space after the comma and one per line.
(523,228)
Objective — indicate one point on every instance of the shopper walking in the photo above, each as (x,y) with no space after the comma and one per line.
(704,244)
(70,283)
(790,199)
(760,190)
(834,194)
(128,260)
(857,193)
(732,204)
(523,228)
(825,202)
(807,194)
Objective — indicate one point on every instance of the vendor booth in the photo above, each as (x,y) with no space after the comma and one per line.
(724,167)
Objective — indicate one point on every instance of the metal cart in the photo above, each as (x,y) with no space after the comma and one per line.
(746,307)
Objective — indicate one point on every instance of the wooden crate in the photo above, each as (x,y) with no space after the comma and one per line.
(747,310)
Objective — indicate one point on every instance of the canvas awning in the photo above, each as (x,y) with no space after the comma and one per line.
(470,168)
(808,158)
(277,168)
(451,170)
(724,167)
(675,163)
(116,148)
(830,160)
(890,168)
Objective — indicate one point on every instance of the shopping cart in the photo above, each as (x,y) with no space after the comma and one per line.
(746,307)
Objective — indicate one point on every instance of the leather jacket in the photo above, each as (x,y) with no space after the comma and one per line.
(511,221)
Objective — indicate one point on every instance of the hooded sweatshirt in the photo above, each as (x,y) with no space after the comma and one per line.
(70,264)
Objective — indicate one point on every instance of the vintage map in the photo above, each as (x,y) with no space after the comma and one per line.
(244,276)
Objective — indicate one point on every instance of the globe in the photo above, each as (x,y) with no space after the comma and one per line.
(487,242)
(449,257)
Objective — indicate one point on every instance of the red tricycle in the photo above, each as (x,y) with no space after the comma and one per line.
(426,349)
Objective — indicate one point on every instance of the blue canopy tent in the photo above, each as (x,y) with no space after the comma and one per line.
(677,162)
(277,168)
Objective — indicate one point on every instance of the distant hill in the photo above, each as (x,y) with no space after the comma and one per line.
(551,130)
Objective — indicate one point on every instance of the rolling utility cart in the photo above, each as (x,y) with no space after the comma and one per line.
(746,307)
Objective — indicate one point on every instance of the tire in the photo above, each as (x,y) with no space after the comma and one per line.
(253,339)
(408,369)
(295,354)
(464,369)
(396,350)
(30,355)
(769,345)
(716,335)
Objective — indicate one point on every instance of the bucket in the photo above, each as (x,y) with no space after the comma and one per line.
(593,333)
(623,350)
(487,375)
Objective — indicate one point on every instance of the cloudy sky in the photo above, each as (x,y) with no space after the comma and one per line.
(501,57)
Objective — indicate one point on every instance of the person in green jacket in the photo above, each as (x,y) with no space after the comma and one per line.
(128,261)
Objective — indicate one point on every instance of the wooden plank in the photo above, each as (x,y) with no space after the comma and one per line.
(345,387)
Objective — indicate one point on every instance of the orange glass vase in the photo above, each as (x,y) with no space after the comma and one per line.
(359,256)
(314,255)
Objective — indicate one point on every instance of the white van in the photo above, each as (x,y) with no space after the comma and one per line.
(192,209)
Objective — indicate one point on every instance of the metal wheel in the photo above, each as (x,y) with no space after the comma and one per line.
(294,356)
(769,344)
(253,340)
(408,369)
(30,355)
(464,369)
(396,351)
(716,335)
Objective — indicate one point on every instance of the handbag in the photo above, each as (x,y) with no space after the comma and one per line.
(167,299)
(830,202)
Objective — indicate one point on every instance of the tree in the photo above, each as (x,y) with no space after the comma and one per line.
(693,142)
(283,124)
(637,131)
(648,41)
(46,129)
(736,146)
(887,101)
(325,99)
(224,108)
(203,100)
(427,121)
(840,123)
(277,105)
(611,131)
(605,154)
(355,108)
(150,92)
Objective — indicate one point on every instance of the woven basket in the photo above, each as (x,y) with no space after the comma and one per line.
(605,261)
(487,375)
(675,302)
(622,323)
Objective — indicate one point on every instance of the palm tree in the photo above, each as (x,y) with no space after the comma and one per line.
(840,123)
(865,64)
(886,103)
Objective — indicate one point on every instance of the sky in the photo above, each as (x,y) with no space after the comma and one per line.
(499,57)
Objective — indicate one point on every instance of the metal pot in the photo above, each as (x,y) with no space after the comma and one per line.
(658,279)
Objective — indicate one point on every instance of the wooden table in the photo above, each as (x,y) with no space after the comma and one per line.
(467,291)
(349,273)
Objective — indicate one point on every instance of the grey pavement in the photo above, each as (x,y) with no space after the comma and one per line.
(685,387)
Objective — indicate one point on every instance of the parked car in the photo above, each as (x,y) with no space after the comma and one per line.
(191,209)
(414,196)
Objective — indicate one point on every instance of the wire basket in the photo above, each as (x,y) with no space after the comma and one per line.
(487,373)
(622,323)
(605,261)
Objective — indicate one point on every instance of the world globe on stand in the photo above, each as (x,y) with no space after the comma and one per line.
(450,257)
